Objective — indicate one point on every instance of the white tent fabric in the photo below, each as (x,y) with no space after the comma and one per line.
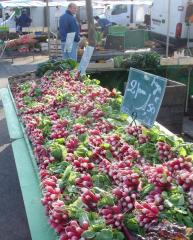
(147,2)
(37,3)
(22,4)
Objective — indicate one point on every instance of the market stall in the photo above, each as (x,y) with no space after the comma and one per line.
(101,177)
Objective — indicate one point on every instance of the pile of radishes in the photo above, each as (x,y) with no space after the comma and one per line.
(74,117)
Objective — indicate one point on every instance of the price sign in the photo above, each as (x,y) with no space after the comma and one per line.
(143,96)
(85,59)
(69,42)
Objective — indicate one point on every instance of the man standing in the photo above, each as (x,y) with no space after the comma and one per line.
(67,24)
(23,21)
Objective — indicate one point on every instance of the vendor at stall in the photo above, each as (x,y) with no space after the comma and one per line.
(23,21)
(104,24)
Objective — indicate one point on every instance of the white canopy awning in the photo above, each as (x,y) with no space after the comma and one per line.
(22,4)
(26,3)
(147,2)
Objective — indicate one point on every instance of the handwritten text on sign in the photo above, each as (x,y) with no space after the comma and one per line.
(143,96)
(69,42)
(85,59)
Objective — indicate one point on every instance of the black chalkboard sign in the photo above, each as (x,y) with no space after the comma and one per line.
(143,96)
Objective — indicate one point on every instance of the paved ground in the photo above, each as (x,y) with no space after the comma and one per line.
(13,221)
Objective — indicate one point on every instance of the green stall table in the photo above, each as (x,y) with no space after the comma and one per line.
(27,172)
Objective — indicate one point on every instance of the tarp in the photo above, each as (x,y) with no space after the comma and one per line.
(65,3)
(22,4)
(25,3)
(38,3)
(125,2)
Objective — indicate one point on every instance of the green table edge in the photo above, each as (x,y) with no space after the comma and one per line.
(31,192)
(27,172)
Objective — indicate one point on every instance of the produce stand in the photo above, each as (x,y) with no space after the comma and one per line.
(99,54)
(26,163)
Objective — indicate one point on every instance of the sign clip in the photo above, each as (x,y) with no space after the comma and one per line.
(134,117)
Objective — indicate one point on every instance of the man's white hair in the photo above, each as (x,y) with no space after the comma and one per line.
(72,5)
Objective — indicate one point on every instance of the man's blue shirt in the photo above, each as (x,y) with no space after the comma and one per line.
(103,22)
(68,24)
(24,20)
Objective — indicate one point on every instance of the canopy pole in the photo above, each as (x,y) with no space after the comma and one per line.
(48,25)
(168,28)
(188,88)
(90,20)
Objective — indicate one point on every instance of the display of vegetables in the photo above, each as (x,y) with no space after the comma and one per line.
(50,66)
(101,177)
(146,60)
(22,40)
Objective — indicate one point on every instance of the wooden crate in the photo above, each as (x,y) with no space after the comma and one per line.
(176,61)
(28,76)
(186,61)
(55,41)
(169,61)
(55,48)
(98,66)
(172,108)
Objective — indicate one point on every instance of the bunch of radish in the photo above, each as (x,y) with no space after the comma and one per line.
(90,199)
(83,164)
(104,166)
(79,129)
(179,163)
(113,216)
(159,175)
(103,126)
(95,141)
(73,231)
(190,198)
(58,216)
(165,151)
(58,129)
(71,143)
(155,197)
(185,179)
(147,213)
(84,180)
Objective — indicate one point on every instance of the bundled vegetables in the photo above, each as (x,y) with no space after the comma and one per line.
(102,178)
(147,60)
(51,66)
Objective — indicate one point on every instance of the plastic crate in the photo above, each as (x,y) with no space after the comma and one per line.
(130,39)
(4,29)
(135,39)
(117,30)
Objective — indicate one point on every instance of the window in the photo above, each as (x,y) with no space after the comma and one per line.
(118,9)
(189,14)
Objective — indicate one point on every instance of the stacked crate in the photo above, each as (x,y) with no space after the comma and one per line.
(122,38)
